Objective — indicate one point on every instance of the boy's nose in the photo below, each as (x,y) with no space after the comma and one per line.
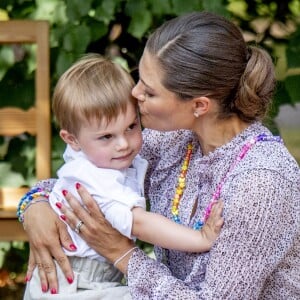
(122,144)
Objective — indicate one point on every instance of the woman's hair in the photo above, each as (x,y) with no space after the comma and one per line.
(93,88)
(202,54)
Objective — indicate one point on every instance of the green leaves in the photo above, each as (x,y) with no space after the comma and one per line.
(105,12)
(293,87)
(18,167)
(80,26)
(216,6)
(76,9)
(77,38)
(64,61)
(140,17)
(293,50)
(7,60)
(160,7)
(140,23)
(180,7)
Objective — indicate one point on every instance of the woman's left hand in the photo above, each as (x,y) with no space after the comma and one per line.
(96,230)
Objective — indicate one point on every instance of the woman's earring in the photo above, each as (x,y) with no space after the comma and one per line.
(196,114)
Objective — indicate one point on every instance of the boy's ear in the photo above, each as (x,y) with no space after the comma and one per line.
(69,139)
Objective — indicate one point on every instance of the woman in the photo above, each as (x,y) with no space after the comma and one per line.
(200,87)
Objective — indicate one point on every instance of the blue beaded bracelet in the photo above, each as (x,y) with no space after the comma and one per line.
(29,199)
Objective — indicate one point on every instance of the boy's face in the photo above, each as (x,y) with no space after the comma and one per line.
(115,144)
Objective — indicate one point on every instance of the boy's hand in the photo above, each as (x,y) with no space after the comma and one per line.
(213,225)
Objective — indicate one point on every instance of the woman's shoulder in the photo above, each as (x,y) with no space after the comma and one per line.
(275,157)
(269,154)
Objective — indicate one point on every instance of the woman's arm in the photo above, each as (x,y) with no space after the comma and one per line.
(160,231)
(46,234)
(258,232)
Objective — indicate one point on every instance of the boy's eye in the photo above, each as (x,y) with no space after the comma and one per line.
(105,137)
(132,126)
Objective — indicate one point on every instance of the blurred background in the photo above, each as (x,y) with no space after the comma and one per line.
(119,29)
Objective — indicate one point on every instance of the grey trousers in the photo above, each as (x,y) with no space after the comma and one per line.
(93,280)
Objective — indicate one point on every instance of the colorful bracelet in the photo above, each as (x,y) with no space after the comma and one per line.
(29,199)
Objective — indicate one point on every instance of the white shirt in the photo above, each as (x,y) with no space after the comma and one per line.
(115,191)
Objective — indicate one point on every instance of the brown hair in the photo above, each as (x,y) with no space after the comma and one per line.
(93,88)
(202,54)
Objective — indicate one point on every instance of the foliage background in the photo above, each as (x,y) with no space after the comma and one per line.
(119,29)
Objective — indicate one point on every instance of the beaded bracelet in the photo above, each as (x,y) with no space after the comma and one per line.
(28,199)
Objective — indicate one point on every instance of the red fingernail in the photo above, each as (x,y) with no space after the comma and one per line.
(64,192)
(58,204)
(78,185)
(53,291)
(44,288)
(73,247)
(70,279)
(27,278)
(63,217)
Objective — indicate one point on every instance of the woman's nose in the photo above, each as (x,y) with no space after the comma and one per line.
(137,92)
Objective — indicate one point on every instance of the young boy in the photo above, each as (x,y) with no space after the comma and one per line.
(99,122)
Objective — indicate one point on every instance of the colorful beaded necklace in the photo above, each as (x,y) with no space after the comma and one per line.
(216,195)
(181,184)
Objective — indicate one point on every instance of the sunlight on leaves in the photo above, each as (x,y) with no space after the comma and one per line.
(8,177)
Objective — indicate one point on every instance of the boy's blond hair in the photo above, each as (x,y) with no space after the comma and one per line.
(93,88)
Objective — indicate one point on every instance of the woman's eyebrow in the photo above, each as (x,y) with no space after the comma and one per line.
(145,84)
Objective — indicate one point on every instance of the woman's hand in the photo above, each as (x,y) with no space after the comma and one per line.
(96,230)
(47,234)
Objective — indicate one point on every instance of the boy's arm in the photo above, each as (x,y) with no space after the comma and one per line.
(159,230)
